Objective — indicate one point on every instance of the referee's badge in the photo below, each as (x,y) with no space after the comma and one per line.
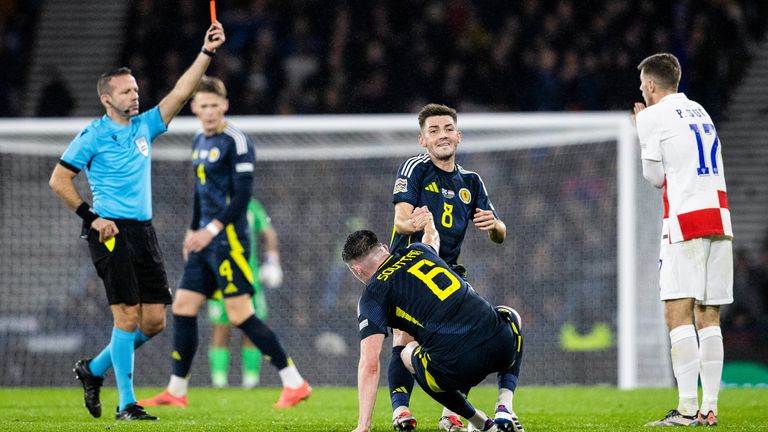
(143,146)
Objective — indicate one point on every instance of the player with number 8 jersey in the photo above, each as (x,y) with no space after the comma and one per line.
(451,196)
(454,197)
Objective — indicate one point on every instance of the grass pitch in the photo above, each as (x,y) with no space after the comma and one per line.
(335,409)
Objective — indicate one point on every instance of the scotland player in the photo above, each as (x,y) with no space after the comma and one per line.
(454,196)
(216,247)
(459,337)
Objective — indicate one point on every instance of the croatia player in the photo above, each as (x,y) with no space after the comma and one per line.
(681,153)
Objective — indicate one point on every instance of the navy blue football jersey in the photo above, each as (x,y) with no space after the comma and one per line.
(219,159)
(451,197)
(417,292)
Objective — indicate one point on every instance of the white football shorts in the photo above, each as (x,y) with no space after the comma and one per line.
(700,268)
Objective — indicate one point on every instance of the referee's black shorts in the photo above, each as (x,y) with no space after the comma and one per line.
(131,267)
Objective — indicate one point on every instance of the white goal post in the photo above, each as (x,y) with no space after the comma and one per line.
(641,346)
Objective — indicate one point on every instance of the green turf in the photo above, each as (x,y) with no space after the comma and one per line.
(335,409)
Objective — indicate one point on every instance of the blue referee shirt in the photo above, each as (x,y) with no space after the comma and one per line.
(117,160)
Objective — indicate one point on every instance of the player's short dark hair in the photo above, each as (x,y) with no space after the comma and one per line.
(664,68)
(103,86)
(358,245)
(433,109)
(213,85)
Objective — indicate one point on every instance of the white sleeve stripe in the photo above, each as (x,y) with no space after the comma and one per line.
(241,143)
(244,167)
(408,163)
(482,183)
(408,168)
(419,160)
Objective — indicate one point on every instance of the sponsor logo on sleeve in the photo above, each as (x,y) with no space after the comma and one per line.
(401,185)
(363,324)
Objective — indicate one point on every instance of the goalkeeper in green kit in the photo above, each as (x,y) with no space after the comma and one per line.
(266,273)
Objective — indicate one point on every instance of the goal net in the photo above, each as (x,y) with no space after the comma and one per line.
(579,262)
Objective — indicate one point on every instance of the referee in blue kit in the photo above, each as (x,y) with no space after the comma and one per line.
(115,152)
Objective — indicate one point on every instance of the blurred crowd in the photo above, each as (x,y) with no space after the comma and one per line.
(17,24)
(311,56)
(745,322)
(303,56)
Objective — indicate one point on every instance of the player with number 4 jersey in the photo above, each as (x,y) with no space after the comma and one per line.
(682,154)
(216,248)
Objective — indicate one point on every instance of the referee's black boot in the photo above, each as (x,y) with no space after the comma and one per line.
(134,412)
(91,386)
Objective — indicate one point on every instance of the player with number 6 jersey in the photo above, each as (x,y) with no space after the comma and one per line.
(682,154)
(459,337)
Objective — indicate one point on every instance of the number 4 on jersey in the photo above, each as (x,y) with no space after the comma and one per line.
(709,130)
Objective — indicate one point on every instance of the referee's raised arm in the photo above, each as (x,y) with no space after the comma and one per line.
(187,83)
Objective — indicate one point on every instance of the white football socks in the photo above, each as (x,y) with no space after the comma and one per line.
(478,420)
(685,364)
(447,413)
(290,376)
(397,411)
(178,386)
(711,353)
(505,398)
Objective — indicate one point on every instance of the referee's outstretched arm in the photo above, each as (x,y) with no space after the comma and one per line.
(188,82)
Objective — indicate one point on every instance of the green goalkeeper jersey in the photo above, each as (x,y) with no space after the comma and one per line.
(258,222)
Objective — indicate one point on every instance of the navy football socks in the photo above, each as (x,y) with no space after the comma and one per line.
(265,340)
(185,340)
(400,380)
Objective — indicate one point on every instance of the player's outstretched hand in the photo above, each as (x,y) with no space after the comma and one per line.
(214,37)
(484,220)
(420,217)
(106,229)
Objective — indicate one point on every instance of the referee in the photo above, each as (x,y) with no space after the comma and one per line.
(115,152)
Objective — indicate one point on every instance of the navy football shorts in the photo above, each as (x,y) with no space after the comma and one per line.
(220,270)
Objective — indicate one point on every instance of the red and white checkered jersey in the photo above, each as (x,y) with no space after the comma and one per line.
(678,132)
